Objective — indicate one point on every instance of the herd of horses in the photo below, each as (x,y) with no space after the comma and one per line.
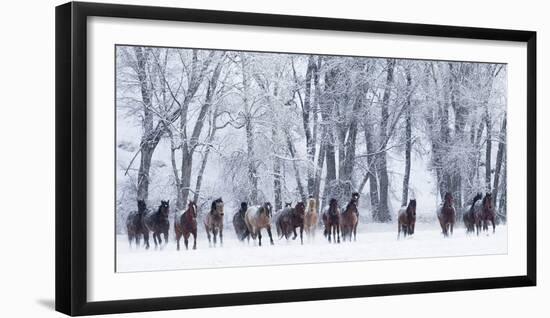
(249,221)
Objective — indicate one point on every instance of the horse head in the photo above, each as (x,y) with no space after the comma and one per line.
(217,207)
(333,207)
(164,208)
(244,207)
(268,209)
(488,201)
(142,207)
(448,201)
(192,209)
(311,204)
(411,210)
(300,209)
(355,196)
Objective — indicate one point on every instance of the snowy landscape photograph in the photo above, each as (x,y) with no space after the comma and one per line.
(231,158)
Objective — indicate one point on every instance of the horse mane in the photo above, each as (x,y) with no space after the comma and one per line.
(476,198)
(214,203)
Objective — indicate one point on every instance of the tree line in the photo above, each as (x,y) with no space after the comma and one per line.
(315,126)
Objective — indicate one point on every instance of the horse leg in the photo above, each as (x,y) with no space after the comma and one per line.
(355,232)
(452,225)
(398,229)
(146,239)
(221,236)
(493,223)
(338,232)
(195,240)
(137,240)
(329,232)
(178,237)
(259,237)
(208,236)
(270,236)
(301,235)
(214,235)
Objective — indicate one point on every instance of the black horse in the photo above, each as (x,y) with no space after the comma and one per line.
(469,217)
(288,219)
(134,223)
(158,223)
(238,222)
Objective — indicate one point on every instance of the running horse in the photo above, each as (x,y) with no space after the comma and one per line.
(311,218)
(258,218)
(331,220)
(350,218)
(289,219)
(213,223)
(134,224)
(469,217)
(187,225)
(485,213)
(406,219)
(239,224)
(446,215)
(158,223)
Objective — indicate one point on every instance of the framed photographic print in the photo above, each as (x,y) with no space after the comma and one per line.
(208,158)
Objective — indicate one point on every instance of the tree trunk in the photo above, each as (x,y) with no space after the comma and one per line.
(408,142)
(292,151)
(383,214)
(500,157)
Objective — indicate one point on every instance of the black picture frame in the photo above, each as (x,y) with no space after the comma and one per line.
(71,157)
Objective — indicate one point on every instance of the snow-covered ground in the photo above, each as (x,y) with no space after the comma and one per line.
(374,242)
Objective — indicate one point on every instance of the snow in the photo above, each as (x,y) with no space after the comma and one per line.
(374,242)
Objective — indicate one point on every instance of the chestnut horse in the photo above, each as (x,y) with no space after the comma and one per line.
(289,219)
(485,213)
(406,219)
(447,214)
(469,216)
(213,223)
(187,225)
(258,218)
(311,218)
(158,223)
(350,218)
(331,220)
(134,224)
(238,222)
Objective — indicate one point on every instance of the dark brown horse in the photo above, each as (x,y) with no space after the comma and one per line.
(350,218)
(485,214)
(258,218)
(187,225)
(238,222)
(158,223)
(289,219)
(213,223)
(447,215)
(469,216)
(331,220)
(134,224)
(406,219)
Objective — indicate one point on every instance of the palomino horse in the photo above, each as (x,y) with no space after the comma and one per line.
(331,220)
(469,216)
(213,223)
(158,223)
(311,218)
(485,213)
(289,219)
(350,218)
(446,215)
(134,223)
(258,218)
(238,222)
(187,225)
(406,219)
